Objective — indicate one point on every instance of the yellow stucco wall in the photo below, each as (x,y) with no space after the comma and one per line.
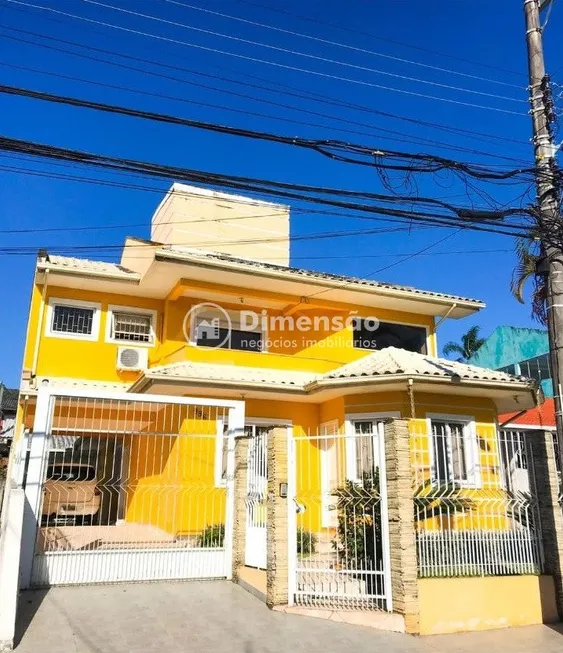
(451,605)
(315,351)
(323,351)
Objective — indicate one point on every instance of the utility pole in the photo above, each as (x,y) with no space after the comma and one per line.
(549,220)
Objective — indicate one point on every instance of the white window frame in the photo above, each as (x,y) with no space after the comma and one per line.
(132,310)
(204,310)
(250,421)
(351,419)
(74,303)
(329,517)
(470,449)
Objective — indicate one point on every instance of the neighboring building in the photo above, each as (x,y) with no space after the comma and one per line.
(520,351)
(202,408)
(8,410)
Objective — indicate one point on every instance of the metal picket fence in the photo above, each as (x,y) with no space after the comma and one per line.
(476,509)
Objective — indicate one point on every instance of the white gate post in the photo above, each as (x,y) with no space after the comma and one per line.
(384,515)
(33,486)
(291,521)
(235,430)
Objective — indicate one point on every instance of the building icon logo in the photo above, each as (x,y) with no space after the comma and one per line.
(207,325)
(208,329)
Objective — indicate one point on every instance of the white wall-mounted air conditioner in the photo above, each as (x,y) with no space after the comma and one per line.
(132,358)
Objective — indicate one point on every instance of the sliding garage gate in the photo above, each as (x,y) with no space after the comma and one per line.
(129,488)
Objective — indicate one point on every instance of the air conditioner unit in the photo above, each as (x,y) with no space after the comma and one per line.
(132,358)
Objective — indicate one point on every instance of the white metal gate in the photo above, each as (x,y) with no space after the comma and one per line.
(256,495)
(339,533)
(129,488)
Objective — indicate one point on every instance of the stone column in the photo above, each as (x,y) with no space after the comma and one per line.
(550,511)
(240,491)
(277,540)
(402,535)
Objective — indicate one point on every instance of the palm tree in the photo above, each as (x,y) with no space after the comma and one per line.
(470,343)
(530,259)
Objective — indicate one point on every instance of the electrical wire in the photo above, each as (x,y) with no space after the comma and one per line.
(347,46)
(246,112)
(336,197)
(290,90)
(267,62)
(387,267)
(350,30)
(303,54)
(337,150)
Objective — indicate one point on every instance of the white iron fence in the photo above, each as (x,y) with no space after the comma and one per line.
(131,488)
(341,549)
(476,510)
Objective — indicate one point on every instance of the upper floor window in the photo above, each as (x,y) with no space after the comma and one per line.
(68,318)
(131,325)
(222,330)
(371,334)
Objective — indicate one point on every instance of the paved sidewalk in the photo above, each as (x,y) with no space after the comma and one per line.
(219,617)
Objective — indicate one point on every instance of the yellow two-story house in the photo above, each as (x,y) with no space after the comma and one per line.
(141,377)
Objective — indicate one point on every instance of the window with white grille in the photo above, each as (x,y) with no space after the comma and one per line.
(72,319)
(130,326)
(455,455)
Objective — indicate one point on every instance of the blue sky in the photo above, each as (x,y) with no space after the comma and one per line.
(92,215)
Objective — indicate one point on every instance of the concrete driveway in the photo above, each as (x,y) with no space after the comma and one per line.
(220,617)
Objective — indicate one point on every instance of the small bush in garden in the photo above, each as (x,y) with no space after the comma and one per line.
(212,536)
(306,542)
(358,536)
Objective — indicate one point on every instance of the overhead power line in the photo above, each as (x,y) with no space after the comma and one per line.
(246,112)
(443,55)
(306,55)
(334,149)
(110,183)
(290,90)
(339,198)
(346,46)
(267,62)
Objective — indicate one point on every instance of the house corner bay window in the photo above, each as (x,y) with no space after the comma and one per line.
(215,330)
(370,333)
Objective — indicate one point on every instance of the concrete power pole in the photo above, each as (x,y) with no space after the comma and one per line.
(548,196)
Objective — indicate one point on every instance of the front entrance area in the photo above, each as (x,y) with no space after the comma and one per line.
(341,557)
(129,489)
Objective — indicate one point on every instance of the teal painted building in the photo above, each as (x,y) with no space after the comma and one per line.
(518,350)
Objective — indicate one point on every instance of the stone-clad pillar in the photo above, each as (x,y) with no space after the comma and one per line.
(277,539)
(550,511)
(402,534)
(240,491)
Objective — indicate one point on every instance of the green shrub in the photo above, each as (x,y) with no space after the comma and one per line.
(358,535)
(212,536)
(306,542)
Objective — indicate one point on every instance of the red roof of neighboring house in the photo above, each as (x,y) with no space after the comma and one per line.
(543,415)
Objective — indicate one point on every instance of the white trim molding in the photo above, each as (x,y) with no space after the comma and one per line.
(73,303)
(131,310)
